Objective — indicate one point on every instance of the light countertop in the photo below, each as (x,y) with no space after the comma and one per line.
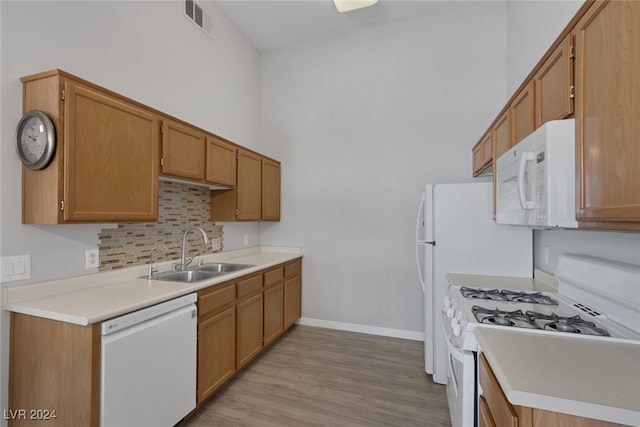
(542,282)
(92,298)
(586,377)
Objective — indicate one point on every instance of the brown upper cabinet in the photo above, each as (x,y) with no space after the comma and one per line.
(256,195)
(105,168)
(607,111)
(554,84)
(588,73)
(110,151)
(221,162)
(483,153)
(249,186)
(270,190)
(522,114)
(502,135)
(183,151)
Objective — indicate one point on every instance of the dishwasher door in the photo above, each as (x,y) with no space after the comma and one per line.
(148,366)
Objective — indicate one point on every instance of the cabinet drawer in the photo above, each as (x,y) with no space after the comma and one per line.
(249,286)
(273,276)
(501,410)
(292,269)
(211,300)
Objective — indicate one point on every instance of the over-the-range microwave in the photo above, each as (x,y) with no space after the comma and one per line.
(535,179)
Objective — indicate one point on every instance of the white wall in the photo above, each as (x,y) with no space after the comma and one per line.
(361,122)
(145,50)
(532,27)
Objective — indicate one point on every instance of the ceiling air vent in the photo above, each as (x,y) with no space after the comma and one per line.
(198,17)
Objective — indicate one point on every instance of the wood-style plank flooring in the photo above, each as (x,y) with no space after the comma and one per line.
(322,377)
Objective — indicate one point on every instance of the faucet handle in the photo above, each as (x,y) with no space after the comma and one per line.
(153,270)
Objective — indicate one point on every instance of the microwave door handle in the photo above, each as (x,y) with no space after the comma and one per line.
(524,158)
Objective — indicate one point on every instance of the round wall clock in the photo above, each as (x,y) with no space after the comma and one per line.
(35,140)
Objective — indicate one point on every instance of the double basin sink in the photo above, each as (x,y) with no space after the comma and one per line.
(199,273)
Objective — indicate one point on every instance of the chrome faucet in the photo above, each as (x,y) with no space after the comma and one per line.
(184,261)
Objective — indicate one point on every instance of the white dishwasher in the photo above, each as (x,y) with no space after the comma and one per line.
(148,365)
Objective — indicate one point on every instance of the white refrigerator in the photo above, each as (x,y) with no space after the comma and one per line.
(456,233)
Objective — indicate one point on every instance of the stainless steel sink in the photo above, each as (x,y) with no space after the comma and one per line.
(199,273)
(222,267)
(186,276)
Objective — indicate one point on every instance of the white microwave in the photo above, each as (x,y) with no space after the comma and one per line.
(535,179)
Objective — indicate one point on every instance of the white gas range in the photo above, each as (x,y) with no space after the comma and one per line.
(596,299)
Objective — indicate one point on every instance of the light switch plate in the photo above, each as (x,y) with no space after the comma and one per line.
(215,244)
(15,268)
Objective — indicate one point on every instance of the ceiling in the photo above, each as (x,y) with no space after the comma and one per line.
(273,24)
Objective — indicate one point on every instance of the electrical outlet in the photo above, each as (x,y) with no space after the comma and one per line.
(246,240)
(91,258)
(215,244)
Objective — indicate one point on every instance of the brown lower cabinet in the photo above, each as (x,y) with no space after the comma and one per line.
(237,320)
(55,365)
(497,411)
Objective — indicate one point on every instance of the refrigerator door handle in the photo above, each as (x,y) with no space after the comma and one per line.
(420,220)
(420,274)
(420,242)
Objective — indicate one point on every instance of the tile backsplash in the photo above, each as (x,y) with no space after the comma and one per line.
(180,206)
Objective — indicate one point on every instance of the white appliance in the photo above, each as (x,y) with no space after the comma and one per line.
(455,232)
(535,179)
(148,365)
(604,295)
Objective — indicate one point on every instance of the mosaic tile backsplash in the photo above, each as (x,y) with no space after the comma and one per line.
(180,206)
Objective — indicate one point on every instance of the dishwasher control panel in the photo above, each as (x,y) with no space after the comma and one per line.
(118,323)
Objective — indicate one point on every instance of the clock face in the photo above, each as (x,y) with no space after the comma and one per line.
(35,140)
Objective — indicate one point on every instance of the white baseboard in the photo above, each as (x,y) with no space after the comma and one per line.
(365,329)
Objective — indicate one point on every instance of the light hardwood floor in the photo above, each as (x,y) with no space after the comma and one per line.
(322,377)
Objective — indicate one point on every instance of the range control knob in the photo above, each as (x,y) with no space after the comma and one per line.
(456,329)
(450,312)
(454,322)
(447,303)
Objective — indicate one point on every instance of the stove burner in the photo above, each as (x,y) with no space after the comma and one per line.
(503,318)
(535,320)
(507,295)
(573,324)
(490,294)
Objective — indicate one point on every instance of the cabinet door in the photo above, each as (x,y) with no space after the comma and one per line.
(216,352)
(248,187)
(110,158)
(54,366)
(482,153)
(221,162)
(270,190)
(273,313)
(292,300)
(502,135)
(501,410)
(553,83)
(183,151)
(485,414)
(522,114)
(607,110)
(249,329)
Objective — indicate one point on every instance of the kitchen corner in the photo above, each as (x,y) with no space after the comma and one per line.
(104,349)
